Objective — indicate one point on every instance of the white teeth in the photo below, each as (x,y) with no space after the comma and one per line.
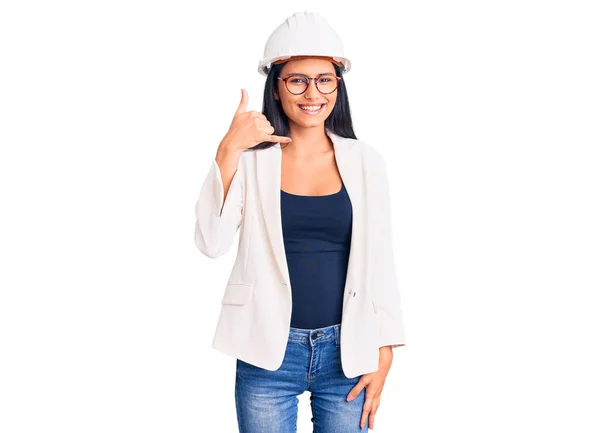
(311,107)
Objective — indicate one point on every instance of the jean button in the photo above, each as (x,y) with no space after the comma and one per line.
(314,336)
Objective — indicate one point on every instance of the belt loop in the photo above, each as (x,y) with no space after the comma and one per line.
(337,335)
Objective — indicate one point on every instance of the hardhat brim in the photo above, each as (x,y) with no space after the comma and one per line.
(265,65)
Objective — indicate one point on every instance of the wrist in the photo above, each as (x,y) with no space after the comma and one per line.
(230,144)
(226,149)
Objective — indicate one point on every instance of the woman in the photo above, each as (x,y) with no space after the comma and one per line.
(312,303)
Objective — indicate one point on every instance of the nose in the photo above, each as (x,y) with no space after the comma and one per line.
(312,90)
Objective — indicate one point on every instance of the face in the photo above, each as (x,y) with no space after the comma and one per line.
(311,67)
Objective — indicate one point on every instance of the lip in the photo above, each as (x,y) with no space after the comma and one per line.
(312,113)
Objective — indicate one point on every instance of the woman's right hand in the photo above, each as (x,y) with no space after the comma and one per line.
(249,128)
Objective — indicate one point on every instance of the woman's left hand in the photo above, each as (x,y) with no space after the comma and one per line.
(374,385)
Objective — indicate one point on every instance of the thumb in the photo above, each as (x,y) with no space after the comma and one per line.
(243,103)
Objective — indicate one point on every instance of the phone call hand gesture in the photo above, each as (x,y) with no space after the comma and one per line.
(249,128)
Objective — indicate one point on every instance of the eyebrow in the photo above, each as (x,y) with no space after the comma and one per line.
(318,75)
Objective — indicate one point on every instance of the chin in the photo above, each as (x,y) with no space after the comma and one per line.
(310,123)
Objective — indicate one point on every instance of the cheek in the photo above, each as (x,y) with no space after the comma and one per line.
(290,107)
(332,105)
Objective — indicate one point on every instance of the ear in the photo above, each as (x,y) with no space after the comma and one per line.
(276,96)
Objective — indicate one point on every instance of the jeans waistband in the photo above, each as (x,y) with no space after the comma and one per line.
(315,335)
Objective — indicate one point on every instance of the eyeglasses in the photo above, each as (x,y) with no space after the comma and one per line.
(297,84)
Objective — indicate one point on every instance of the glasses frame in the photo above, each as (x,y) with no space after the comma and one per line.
(285,80)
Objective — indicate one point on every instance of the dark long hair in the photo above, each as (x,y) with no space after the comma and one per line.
(339,121)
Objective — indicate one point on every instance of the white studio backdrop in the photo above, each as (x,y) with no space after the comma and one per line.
(110,114)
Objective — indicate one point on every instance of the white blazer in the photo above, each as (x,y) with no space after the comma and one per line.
(256,308)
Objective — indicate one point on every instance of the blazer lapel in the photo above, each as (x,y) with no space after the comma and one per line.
(268,172)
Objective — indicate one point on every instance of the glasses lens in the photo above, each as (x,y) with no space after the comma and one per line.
(327,83)
(296,84)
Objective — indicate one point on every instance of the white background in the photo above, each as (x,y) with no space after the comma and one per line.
(111,113)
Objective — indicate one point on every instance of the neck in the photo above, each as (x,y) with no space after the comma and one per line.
(307,141)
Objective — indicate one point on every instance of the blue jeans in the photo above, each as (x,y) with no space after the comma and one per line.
(266,401)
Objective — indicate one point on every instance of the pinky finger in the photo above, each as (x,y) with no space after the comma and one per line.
(372,421)
(278,139)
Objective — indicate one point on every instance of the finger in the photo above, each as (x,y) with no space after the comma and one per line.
(278,139)
(365,414)
(355,391)
(263,123)
(258,115)
(267,129)
(243,103)
(367,407)
(374,408)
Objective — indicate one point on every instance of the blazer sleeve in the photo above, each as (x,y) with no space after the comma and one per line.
(218,218)
(385,290)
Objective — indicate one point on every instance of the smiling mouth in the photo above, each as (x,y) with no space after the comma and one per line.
(311,109)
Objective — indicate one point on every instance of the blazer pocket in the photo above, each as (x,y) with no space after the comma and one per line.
(237,294)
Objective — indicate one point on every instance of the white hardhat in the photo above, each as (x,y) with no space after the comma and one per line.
(303,34)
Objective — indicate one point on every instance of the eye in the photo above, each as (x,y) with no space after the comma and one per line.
(325,80)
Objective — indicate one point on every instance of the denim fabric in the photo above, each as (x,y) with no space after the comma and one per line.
(266,401)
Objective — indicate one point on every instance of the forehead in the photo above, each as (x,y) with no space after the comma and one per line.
(308,66)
